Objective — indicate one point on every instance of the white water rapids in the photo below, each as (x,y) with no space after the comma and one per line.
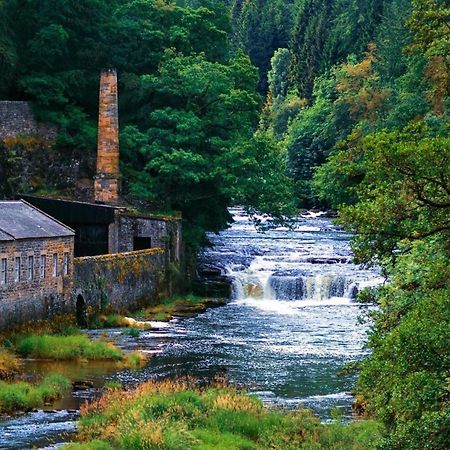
(290,326)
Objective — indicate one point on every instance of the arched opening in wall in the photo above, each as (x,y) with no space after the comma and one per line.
(81,311)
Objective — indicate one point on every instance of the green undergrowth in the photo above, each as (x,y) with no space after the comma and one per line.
(20,395)
(177,415)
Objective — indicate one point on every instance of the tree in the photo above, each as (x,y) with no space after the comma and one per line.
(400,218)
(196,144)
(430,23)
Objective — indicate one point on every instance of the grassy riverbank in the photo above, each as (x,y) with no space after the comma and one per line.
(178,305)
(18,395)
(165,310)
(78,346)
(179,415)
(22,396)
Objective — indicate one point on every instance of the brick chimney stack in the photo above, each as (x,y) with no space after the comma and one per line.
(107,181)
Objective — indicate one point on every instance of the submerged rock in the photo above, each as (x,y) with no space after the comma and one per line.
(82,385)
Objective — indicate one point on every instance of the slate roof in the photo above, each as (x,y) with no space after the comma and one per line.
(20,220)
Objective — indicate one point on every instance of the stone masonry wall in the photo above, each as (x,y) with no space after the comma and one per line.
(17,119)
(120,282)
(107,181)
(40,297)
(164,233)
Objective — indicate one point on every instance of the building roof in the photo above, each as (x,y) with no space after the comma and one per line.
(20,220)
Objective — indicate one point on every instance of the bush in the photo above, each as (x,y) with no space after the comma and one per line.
(405,380)
(9,364)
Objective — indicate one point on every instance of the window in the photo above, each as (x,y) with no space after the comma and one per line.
(55,264)
(4,271)
(17,268)
(66,264)
(142,243)
(42,267)
(30,267)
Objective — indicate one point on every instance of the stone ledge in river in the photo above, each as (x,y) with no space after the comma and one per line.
(219,287)
(332,260)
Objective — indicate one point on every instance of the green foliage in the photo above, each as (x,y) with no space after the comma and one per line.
(67,348)
(133,332)
(187,106)
(403,189)
(20,395)
(92,445)
(405,380)
(391,180)
(179,415)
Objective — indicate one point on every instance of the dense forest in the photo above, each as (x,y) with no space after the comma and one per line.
(276,105)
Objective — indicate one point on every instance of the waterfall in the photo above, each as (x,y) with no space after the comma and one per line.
(312,263)
(294,287)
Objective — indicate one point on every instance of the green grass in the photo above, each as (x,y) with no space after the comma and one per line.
(23,396)
(177,415)
(133,332)
(93,445)
(67,348)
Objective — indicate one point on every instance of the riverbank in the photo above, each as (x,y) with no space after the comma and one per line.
(181,414)
(45,342)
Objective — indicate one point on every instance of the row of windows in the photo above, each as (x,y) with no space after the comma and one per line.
(30,273)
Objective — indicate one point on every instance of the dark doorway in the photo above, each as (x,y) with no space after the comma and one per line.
(81,310)
(142,243)
(90,239)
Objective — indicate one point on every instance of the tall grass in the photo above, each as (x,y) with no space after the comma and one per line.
(23,396)
(178,415)
(67,348)
(9,364)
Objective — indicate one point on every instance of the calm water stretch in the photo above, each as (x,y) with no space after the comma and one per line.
(292,323)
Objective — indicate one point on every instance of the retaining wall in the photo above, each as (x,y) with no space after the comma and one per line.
(121,281)
(17,119)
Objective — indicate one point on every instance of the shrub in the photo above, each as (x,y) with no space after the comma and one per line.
(9,364)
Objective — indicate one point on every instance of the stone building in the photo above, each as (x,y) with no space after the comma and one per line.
(105,229)
(100,254)
(36,264)
(106,224)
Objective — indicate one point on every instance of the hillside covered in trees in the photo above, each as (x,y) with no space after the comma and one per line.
(276,105)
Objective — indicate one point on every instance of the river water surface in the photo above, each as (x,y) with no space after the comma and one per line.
(290,326)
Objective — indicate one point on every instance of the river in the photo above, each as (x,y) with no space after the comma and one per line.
(290,326)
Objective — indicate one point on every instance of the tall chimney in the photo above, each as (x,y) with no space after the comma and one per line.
(107,180)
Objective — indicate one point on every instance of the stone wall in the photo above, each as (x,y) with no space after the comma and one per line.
(120,282)
(17,119)
(162,232)
(40,297)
